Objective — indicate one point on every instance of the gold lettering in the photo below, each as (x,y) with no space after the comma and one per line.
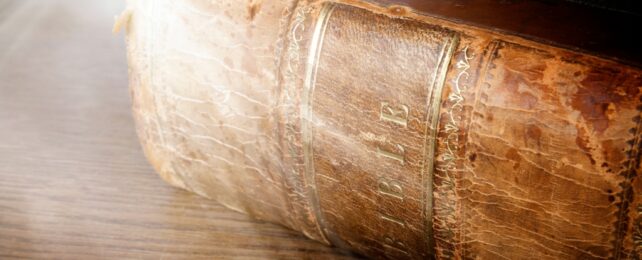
(395,156)
(397,115)
(391,188)
(395,244)
(392,219)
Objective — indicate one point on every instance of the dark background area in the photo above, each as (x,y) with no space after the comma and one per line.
(604,28)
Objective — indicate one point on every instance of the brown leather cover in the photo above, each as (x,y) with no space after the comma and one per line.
(377,128)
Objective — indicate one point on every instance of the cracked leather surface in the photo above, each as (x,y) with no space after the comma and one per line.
(536,152)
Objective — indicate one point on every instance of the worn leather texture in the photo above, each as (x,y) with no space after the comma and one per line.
(376,128)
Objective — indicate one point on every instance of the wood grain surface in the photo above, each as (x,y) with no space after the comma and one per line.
(73,180)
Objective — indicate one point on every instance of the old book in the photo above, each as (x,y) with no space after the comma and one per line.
(377,127)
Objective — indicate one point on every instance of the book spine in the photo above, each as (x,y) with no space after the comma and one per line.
(422,137)
(380,129)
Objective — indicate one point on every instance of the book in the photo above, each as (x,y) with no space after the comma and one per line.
(382,128)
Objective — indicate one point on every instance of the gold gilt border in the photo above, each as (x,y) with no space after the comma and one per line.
(307,118)
(432,129)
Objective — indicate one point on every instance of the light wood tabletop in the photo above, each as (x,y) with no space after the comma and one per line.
(73,180)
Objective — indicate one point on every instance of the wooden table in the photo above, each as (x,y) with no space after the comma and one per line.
(73,180)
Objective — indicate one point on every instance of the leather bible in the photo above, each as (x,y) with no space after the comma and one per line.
(397,129)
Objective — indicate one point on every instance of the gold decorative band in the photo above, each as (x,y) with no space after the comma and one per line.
(307,118)
(432,129)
